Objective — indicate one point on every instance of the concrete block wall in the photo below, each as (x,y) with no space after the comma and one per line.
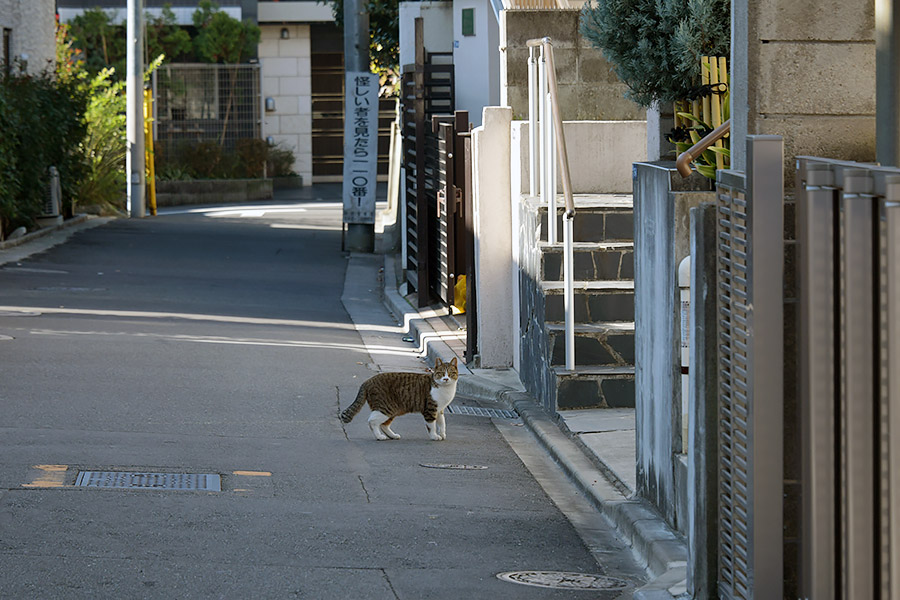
(33,25)
(588,87)
(812,84)
(287,79)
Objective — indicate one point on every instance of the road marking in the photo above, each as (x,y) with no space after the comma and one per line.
(47,476)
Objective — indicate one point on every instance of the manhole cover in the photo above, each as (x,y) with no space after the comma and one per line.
(452,466)
(563,580)
(477,411)
(207,482)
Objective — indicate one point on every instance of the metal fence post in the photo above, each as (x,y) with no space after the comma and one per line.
(816,204)
(857,409)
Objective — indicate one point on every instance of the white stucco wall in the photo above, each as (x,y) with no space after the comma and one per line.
(33,25)
(287,80)
(476,59)
(438,28)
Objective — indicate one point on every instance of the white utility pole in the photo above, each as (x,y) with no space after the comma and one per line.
(134,109)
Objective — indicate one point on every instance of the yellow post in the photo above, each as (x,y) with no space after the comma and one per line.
(715,104)
(148,149)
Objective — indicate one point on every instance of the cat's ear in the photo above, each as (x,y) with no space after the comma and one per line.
(453,362)
(437,362)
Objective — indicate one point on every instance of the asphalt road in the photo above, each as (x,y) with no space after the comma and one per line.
(217,342)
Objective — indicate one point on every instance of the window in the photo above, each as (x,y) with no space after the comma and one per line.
(468,21)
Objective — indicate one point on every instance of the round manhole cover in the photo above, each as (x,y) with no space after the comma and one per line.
(563,580)
(452,466)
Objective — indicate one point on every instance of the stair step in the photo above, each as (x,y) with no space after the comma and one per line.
(598,218)
(594,301)
(594,387)
(591,260)
(596,344)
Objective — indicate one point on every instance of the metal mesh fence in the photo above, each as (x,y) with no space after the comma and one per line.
(205,106)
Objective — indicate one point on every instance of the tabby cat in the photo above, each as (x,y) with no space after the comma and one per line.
(393,394)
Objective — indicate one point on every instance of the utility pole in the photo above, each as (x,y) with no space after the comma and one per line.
(887,82)
(134,109)
(359,200)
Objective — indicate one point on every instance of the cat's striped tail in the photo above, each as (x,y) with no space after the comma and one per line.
(354,408)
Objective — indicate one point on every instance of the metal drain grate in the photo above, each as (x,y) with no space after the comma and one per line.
(206,482)
(477,411)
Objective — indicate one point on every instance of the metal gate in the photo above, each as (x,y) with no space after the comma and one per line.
(426,92)
(849,235)
(750,298)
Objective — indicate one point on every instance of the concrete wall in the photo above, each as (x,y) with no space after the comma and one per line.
(812,83)
(601,154)
(33,25)
(476,59)
(493,238)
(588,87)
(287,79)
(662,201)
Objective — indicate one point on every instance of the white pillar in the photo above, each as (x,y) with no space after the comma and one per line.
(493,237)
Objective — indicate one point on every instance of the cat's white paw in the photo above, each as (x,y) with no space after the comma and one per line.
(390,433)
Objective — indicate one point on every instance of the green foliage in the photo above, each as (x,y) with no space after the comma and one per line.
(165,37)
(209,160)
(41,117)
(221,38)
(101,43)
(280,161)
(384,34)
(655,45)
(104,144)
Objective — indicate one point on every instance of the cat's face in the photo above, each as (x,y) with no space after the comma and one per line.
(445,372)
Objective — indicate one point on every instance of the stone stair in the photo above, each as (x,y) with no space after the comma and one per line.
(603,265)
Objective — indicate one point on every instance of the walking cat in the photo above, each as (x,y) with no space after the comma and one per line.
(393,394)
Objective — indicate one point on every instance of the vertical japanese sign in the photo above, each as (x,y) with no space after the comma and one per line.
(360,147)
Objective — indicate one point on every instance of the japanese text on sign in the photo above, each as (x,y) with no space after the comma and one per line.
(360,147)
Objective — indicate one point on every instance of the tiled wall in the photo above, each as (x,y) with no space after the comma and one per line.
(287,80)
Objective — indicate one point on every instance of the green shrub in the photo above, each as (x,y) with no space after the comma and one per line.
(41,118)
(655,45)
(280,162)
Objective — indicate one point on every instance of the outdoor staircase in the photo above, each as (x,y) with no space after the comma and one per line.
(603,266)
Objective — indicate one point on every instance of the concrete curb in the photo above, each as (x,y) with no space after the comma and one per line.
(422,333)
(35,235)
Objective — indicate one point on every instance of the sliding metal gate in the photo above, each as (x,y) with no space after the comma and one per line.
(849,235)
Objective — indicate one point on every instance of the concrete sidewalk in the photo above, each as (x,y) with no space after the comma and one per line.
(596,448)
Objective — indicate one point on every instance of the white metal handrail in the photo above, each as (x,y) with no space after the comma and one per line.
(546,138)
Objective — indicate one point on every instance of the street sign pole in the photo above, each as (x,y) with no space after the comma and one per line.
(360,131)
